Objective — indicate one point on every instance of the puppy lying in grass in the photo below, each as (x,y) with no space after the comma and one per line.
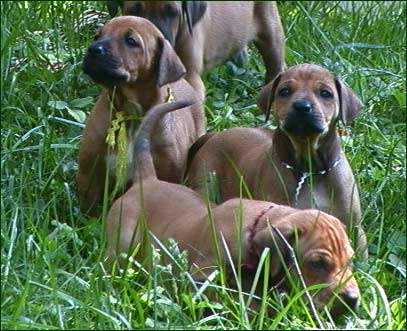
(237,231)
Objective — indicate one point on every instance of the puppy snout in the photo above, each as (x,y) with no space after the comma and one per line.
(351,298)
(304,119)
(303,106)
(97,49)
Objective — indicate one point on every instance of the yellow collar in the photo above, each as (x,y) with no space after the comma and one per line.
(118,123)
(118,129)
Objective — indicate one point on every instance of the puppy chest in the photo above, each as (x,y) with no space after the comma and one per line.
(314,194)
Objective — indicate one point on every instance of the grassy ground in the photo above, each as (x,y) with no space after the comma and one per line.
(52,276)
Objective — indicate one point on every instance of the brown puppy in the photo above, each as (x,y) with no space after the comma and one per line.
(138,69)
(214,31)
(175,211)
(301,163)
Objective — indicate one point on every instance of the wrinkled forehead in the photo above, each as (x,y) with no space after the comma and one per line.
(329,234)
(307,73)
(130,24)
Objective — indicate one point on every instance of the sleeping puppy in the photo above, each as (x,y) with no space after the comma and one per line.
(213,31)
(138,69)
(174,211)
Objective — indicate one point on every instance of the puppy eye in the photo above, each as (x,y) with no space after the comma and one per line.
(326,94)
(284,92)
(131,42)
(318,264)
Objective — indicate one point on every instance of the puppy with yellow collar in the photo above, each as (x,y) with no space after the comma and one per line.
(138,69)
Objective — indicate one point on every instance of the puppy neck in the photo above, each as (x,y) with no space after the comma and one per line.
(136,96)
(251,259)
(307,155)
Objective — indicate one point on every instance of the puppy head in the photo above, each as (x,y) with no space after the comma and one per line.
(307,100)
(323,252)
(167,16)
(131,49)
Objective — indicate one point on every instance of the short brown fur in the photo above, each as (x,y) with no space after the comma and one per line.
(175,211)
(207,33)
(135,77)
(307,102)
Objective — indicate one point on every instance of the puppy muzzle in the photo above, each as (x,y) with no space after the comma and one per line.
(346,301)
(304,120)
(102,66)
(343,302)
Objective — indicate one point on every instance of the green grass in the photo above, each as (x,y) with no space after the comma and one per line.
(52,276)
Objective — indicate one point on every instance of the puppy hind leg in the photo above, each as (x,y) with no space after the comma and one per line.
(273,58)
(241,58)
(270,39)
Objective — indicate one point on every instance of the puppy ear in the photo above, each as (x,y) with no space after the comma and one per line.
(266,96)
(349,104)
(112,7)
(170,67)
(271,236)
(193,10)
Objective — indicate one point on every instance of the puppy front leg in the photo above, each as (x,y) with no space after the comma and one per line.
(194,78)
(353,222)
(191,55)
(347,209)
(91,171)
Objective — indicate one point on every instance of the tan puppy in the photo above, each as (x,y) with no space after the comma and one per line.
(138,69)
(214,31)
(175,211)
(301,163)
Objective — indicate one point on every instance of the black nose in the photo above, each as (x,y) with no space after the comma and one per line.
(351,298)
(302,106)
(97,49)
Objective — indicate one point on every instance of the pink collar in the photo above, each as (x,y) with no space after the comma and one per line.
(252,250)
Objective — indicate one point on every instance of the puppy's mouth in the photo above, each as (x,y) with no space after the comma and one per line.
(104,70)
(337,308)
(304,124)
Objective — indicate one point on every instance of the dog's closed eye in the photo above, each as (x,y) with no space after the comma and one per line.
(318,264)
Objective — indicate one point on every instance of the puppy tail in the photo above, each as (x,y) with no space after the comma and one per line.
(144,160)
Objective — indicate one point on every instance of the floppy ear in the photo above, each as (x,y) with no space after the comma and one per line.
(193,10)
(112,7)
(271,236)
(349,104)
(170,67)
(266,96)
